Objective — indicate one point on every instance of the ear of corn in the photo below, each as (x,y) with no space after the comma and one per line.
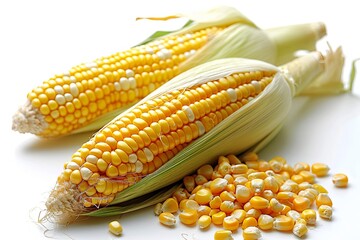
(181,126)
(91,94)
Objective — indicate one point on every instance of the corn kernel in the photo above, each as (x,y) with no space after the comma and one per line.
(320,169)
(227,206)
(340,180)
(301,203)
(170,205)
(265,222)
(309,215)
(243,194)
(206,171)
(218,185)
(223,235)
(157,209)
(203,196)
(218,218)
(325,211)
(323,199)
(230,223)
(204,221)
(115,228)
(283,223)
(249,222)
(188,217)
(300,229)
(239,214)
(251,233)
(258,202)
(215,202)
(293,214)
(168,219)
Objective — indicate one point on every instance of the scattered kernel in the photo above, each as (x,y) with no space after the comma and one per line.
(340,180)
(115,228)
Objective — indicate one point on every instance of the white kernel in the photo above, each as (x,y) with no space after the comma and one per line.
(132,158)
(60,99)
(58,89)
(139,167)
(171,42)
(66,74)
(125,84)
(132,82)
(68,97)
(200,127)
(85,173)
(55,114)
(72,166)
(161,55)
(117,86)
(232,94)
(166,52)
(74,89)
(149,155)
(180,39)
(149,50)
(90,65)
(257,86)
(189,35)
(92,159)
(189,113)
(129,73)
(187,54)
(192,52)
(72,79)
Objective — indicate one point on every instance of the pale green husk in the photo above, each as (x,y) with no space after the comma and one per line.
(251,127)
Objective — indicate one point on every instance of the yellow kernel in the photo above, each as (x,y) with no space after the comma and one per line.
(239,214)
(188,217)
(283,223)
(340,180)
(204,221)
(230,223)
(223,235)
(249,222)
(203,196)
(206,171)
(300,229)
(168,219)
(265,222)
(325,211)
(218,218)
(218,185)
(301,203)
(320,169)
(170,205)
(319,188)
(258,202)
(323,199)
(309,215)
(115,228)
(251,233)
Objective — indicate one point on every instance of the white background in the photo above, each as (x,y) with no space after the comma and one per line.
(41,38)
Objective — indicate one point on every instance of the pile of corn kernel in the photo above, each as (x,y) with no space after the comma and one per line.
(251,194)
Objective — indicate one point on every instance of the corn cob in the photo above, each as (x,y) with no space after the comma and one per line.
(182,125)
(91,94)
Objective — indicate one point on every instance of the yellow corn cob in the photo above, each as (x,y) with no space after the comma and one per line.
(178,128)
(91,94)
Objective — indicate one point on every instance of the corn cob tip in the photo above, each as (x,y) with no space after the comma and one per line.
(63,205)
(319,30)
(27,119)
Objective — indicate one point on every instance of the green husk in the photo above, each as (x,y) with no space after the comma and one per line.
(251,127)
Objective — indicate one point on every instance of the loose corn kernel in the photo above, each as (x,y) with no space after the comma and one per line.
(203,210)
(265,222)
(227,206)
(227,196)
(203,196)
(218,185)
(340,180)
(309,215)
(239,168)
(243,194)
(249,222)
(249,156)
(181,194)
(325,211)
(301,166)
(293,214)
(320,169)
(257,185)
(189,183)
(157,209)
(323,199)
(301,203)
(223,235)
(218,218)
(300,229)
(258,202)
(206,171)
(204,221)
(275,205)
(188,217)
(115,228)
(319,188)
(167,218)
(276,165)
(170,205)
(215,202)
(251,233)
(283,223)
(233,159)
(239,214)
(308,176)
(230,223)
